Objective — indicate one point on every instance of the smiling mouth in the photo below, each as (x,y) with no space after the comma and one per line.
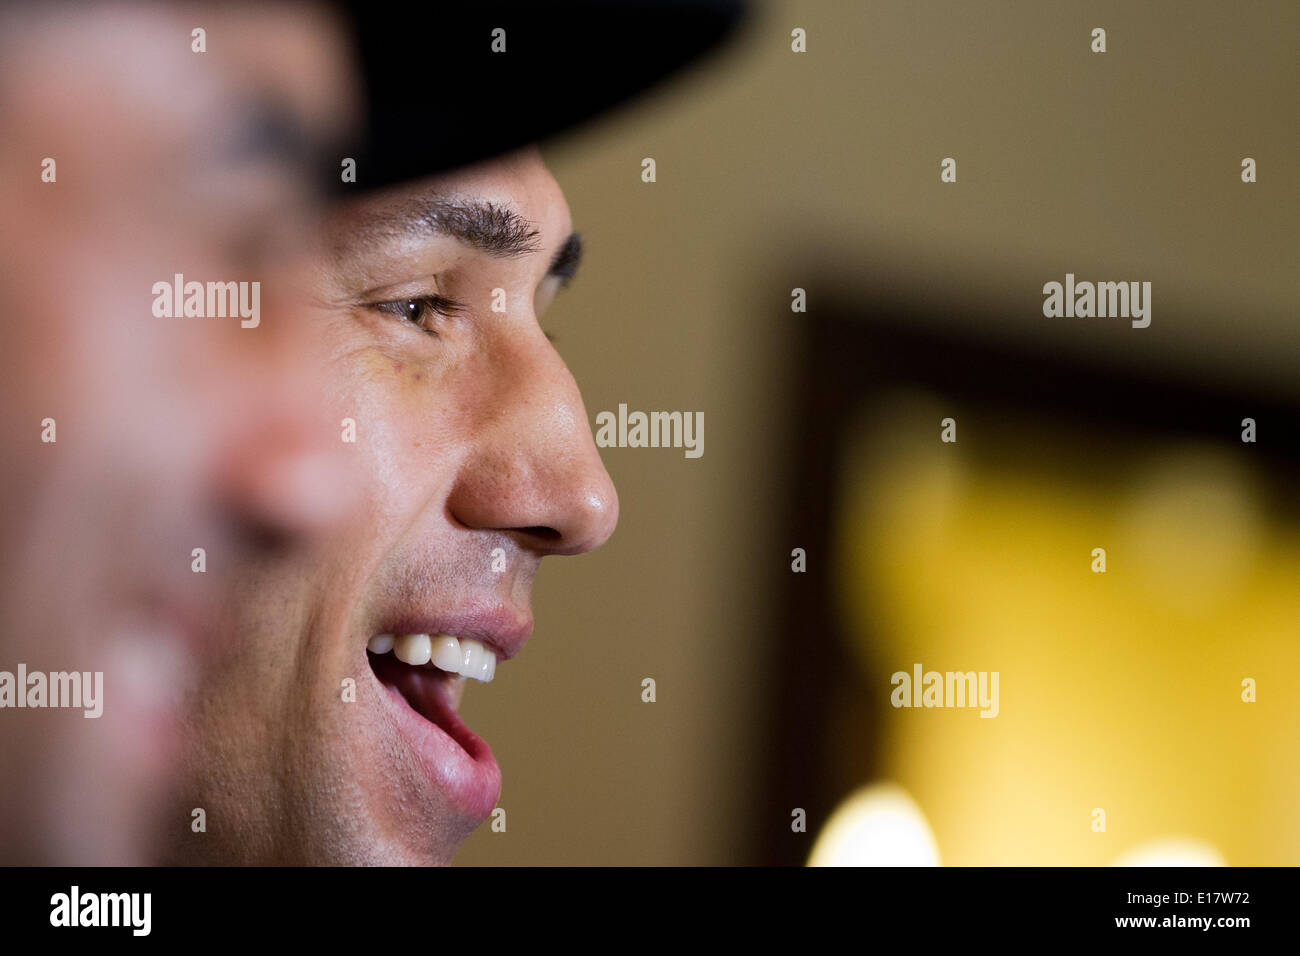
(452,655)
(423,674)
(429,674)
(456,762)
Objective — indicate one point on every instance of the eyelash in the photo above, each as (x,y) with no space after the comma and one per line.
(401,309)
(439,305)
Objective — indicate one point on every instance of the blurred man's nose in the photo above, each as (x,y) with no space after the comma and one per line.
(283,468)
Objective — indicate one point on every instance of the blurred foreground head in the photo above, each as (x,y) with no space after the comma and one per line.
(149,449)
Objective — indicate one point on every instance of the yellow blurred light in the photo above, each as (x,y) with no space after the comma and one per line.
(1121,691)
(1172,851)
(878,825)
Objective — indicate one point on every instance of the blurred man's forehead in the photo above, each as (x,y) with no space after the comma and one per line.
(281,68)
(298,52)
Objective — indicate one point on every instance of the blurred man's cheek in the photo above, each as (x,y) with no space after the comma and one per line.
(279,463)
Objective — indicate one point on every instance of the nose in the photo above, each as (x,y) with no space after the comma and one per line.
(280,472)
(278,479)
(534,471)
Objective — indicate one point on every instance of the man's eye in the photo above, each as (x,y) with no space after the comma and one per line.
(423,311)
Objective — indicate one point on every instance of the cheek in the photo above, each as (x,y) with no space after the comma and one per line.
(408,428)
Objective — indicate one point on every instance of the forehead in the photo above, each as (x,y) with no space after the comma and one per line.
(521,176)
(139,50)
(123,84)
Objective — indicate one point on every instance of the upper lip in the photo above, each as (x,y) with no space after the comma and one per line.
(501,629)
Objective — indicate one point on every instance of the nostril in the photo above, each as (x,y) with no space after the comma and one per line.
(543,532)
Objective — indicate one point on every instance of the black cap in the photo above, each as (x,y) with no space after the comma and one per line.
(448,84)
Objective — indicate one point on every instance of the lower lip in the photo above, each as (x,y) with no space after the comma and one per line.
(462,767)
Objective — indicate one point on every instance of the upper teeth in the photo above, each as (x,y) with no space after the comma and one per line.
(463,656)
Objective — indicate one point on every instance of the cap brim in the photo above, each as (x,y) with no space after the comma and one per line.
(448,86)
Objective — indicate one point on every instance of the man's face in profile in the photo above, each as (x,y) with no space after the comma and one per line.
(478,461)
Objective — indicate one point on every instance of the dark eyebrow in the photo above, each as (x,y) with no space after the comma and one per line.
(495,229)
(565,261)
(266,129)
